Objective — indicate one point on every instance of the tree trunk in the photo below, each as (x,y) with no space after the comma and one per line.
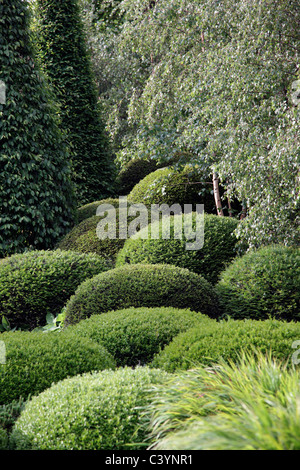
(217,197)
(244,211)
(229,207)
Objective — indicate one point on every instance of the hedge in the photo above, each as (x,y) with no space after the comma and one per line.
(219,249)
(65,57)
(172,186)
(100,411)
(90,209)
(36,283)
(225,340)
(35,360)
(134,335)
(84,237)
(132,173)
(37,201)
(263,283)
(141,286)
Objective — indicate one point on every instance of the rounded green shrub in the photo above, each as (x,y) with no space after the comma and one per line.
(219,248)
(263,283)
(141,286)
(134,335)
(100,411)
(171,186)
(84,237)
(63,52)
(90,209)
(39,282)
(35,360)
(226,339)
(132,173)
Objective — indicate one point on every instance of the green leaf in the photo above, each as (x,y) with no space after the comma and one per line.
(5,324)
(50,318)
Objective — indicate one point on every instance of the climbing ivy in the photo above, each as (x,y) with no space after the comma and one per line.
(65,58)
(36,195)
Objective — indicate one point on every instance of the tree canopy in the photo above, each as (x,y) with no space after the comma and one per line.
(213,81)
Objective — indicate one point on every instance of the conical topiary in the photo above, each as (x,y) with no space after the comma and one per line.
(65,58)
(36,195)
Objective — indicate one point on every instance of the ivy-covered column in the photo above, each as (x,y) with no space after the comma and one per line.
(36,195)
(65,58)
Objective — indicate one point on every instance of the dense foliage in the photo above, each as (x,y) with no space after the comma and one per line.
(36,196)
(132,173)
(210,342)
(92,412)
(134,335)
(170,186)
(141,285)
(9,413)
(248,405)
(85,238)
(63,53)
(263,283)
(150,326)
(89,210)
(234,114)
(37,283)
(35,360)
(220,245)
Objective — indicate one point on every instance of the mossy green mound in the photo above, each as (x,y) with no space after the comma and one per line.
(100,411)
(226,340)
(36,283)
(35,360)
(141,286)
(220,245)
(263,283)
(134,335)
